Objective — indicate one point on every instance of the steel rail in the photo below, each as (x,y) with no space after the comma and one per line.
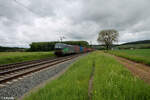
(35,69)
(7,66)
(14,69)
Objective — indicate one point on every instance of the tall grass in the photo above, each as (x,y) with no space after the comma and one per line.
(73,85)
(138,55)
(112,81)
(13,57)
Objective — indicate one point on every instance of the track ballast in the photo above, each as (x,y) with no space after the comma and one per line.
(13,71)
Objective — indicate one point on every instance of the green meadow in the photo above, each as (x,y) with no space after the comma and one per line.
(13,57)
(112,81)
(137,55)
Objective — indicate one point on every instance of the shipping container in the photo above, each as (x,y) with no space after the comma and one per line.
(77,49)
(81,49)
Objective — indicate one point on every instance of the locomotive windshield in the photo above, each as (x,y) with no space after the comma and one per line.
(60,45)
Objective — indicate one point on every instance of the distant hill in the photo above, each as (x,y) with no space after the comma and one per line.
(138,42)
(144,44)
(6,49)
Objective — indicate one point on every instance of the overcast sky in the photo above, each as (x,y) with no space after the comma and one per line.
(26,21)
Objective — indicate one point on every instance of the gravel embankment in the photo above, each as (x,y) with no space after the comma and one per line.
(20,87)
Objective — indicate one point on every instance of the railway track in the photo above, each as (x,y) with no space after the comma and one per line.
(8,66)
(13,71)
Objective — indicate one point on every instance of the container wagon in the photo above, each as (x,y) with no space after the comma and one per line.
(62,49)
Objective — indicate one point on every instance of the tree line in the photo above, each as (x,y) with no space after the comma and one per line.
(49,46)
(13,49)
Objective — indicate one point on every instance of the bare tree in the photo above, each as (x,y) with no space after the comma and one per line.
(107,37)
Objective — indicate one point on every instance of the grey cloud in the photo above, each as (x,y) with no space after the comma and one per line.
(75,19)
(12,11)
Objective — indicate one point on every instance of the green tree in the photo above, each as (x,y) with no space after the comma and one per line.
(49,46)
(107,37)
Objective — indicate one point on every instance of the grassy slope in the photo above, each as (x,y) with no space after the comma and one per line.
(139,55)
(12,57)
(111,82)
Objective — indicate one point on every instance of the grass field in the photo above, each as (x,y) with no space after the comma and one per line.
(73,85)
(138,55)
(12,57)
(112,81)
(135,46)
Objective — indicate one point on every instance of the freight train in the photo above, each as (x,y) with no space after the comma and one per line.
(62,49)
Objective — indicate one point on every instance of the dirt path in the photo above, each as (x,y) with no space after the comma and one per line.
(90,88)
(140,70)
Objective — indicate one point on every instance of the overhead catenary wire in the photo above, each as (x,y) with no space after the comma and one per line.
(27,8)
